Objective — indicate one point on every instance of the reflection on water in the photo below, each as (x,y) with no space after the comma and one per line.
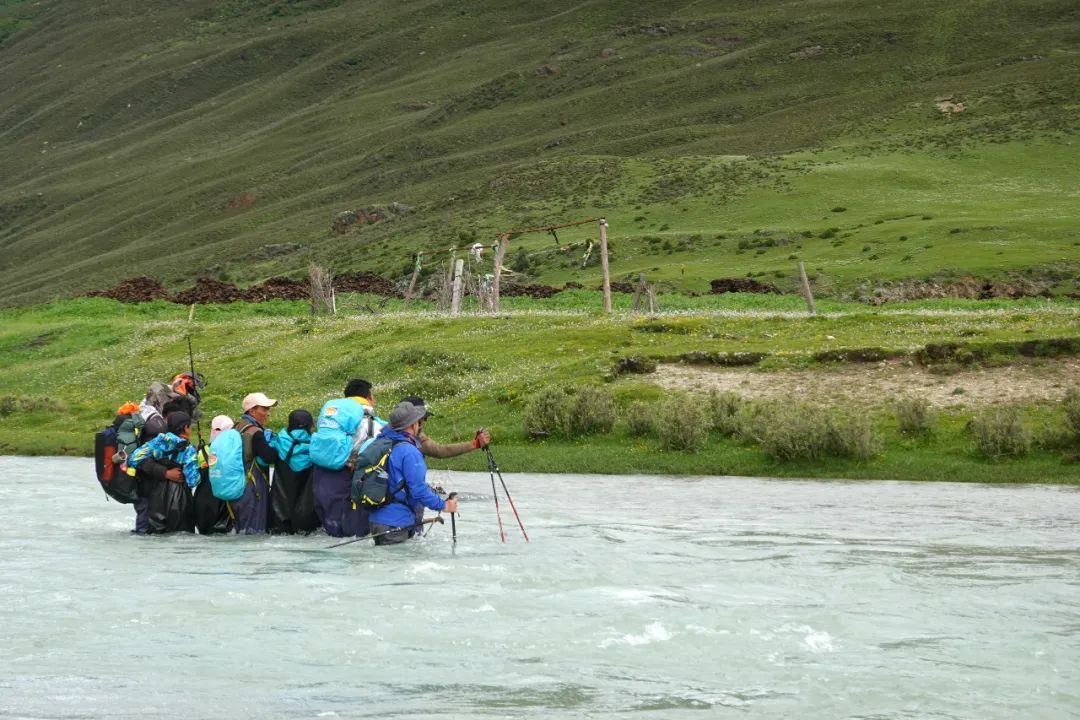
(756,598)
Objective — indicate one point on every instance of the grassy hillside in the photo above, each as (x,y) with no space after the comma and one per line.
(720,139)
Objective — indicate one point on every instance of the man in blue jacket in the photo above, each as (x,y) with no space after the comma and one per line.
(395,522)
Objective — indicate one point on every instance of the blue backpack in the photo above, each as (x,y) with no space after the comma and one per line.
(227,472)
(332,443)
(292,448)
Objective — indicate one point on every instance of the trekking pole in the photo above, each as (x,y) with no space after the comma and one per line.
(194,377)
(495,494)
(453,521)
(425,521)
(495,466)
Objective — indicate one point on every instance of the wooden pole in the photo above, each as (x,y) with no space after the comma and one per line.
(652,299)
(500,256)
(807,294)
(444,295)
(412,284)
(638,290)
(604,265)
(455,301)
(333,301)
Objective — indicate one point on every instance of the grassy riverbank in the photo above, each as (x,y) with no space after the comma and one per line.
(67,365)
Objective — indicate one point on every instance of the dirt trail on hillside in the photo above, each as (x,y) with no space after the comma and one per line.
(878,383)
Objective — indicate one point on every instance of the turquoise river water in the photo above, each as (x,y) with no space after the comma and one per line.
(638,597)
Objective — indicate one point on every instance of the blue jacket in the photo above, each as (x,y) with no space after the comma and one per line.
(285,440)
(169,448)
(406,463)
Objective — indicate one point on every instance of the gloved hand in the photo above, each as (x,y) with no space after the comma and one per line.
(482,439)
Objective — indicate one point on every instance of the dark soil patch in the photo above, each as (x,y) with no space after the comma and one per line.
(134,290)
(525,290)
(741,285)
(207,290)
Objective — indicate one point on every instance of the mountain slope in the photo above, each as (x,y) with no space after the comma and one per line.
(148,138)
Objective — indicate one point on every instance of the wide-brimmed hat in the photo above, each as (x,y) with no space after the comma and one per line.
(419,402)
(257,399)
(405,414)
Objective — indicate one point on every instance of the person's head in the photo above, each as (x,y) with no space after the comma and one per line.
(179,424)
(419,402)
(258,405)
(359,388)
(406,417)
(187,384)
(219,424)
(300,420)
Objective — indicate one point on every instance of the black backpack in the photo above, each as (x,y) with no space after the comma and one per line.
(371,480)
(112,448)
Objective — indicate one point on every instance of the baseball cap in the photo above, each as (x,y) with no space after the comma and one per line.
(257,399)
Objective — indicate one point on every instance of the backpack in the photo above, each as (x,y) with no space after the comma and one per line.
(297,456)
(371,480)
(226,461)
(112,447)
(333,442)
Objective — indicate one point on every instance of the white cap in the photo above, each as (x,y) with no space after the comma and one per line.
(219,424)
(257,400)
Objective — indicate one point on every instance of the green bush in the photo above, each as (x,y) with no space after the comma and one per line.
(684,424)
(786,431)
(802,431)
(724,409)
(852,435)
(545,414)
(568,414)
(592,410)
(914,415)
(1071,403)
(639,419)
(1001,432)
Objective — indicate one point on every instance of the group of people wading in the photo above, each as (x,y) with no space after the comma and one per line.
(308,475)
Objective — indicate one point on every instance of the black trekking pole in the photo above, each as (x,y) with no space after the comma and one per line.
(194,377)
(425,521)
(495,494)
(453,524)
(493,467)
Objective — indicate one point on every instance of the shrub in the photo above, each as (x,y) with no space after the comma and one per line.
(724,408)
(852,435)
(785,432)
(1001,432)
(684,424)
(592,410)
(802,431)
(1071,403)
(545,414)
(914,415)
(639,419)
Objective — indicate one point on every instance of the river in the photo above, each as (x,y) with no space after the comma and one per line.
(637,597)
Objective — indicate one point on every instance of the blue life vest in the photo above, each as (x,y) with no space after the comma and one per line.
(226,461)
(292,447)
(332,442)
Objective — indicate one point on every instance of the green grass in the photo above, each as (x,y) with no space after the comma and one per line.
(68,364)
(704,121)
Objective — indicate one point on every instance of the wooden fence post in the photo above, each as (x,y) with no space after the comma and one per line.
(500,256)
(455,301)
(638,290)
(412,283)
(604,265)
(652,299)
(807,295)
